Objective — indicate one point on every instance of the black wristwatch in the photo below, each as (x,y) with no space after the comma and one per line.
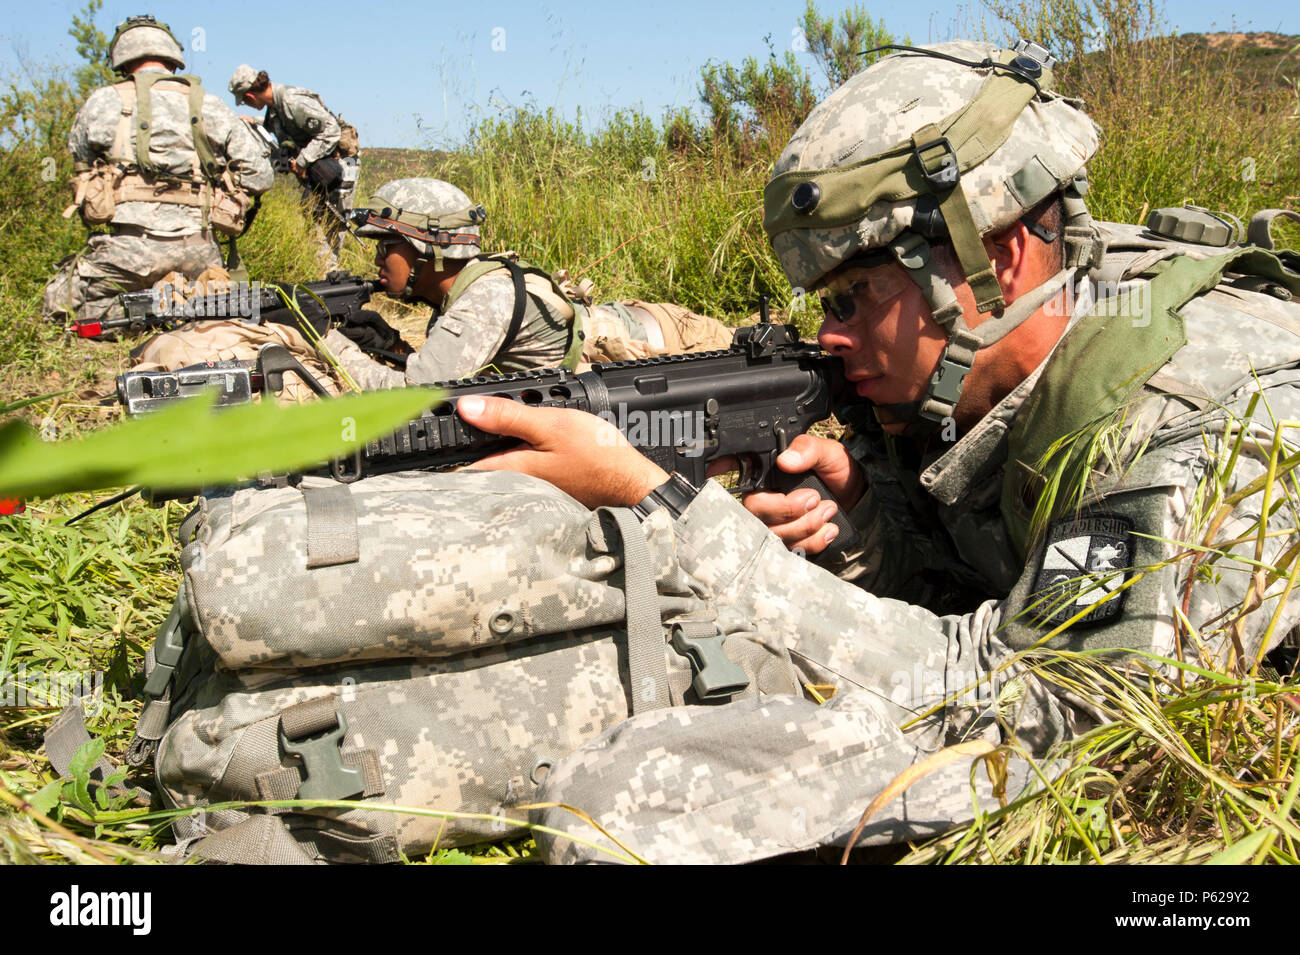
(674,496)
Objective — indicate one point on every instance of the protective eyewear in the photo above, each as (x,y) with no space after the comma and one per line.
(842,306)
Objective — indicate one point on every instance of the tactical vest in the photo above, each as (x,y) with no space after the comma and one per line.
(1101,364)
(528,281)
(135,178)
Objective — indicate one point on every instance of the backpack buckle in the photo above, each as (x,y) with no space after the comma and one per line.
(322,763)
(716,677)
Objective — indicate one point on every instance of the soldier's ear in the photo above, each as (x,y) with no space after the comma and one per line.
(1009,251)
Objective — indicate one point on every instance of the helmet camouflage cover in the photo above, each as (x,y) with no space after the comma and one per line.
(144,37)
(241,81)
(875,114)
(435,217)
(950,142)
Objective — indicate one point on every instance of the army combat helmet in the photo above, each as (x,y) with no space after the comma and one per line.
(143,37)
(437,219)
(947,143)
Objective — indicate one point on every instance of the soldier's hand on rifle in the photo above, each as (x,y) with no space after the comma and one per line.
(582,455)
(296,169)
(369,330)
(801,518)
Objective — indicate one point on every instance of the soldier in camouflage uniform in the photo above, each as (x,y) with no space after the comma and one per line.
(493,314)
(995,336)
(310,139)
(160,202)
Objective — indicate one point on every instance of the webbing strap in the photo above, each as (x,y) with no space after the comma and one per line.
(126,91)
(332,536)
(284,782)
(66,735)
(262,839)
(965,237)
(144,83)
(647,668)
(568,309)
(517,313)
(202,146)
(994,329)
(913,253)
(309,718)
(946,384)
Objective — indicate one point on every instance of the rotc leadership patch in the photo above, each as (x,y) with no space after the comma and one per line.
(1085,559)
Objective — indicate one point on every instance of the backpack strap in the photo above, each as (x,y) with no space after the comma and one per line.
(122,137)
(527,280)
(1099,366)
(647,669)
(521,299)
(144,83)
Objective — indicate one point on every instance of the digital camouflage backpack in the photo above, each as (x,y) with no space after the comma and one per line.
(429,641)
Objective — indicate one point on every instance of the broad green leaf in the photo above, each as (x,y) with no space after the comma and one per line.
(45,800)
(190,446)
(84,761)
(453,857)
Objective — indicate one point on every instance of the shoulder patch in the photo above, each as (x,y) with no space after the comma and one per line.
(1085,559)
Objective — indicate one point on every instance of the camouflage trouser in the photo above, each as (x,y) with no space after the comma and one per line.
(618,331)
(87,284)
(755,779)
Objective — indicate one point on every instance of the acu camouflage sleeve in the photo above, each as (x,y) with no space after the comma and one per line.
(95,126)
(369,374)
(468,336)
(311,115)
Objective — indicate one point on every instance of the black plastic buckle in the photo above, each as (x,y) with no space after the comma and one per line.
(948,171)
(322,764)
(167,648)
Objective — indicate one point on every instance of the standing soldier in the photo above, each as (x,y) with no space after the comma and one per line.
(318,147)
(165,166)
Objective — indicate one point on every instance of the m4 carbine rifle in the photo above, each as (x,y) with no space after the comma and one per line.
(681,411)
(336,302)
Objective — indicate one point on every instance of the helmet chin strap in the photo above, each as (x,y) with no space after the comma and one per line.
(407,294)
(944,391)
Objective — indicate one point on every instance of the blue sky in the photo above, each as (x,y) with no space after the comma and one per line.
(417,74)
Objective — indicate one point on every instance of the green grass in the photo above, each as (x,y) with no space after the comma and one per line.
(661,214)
